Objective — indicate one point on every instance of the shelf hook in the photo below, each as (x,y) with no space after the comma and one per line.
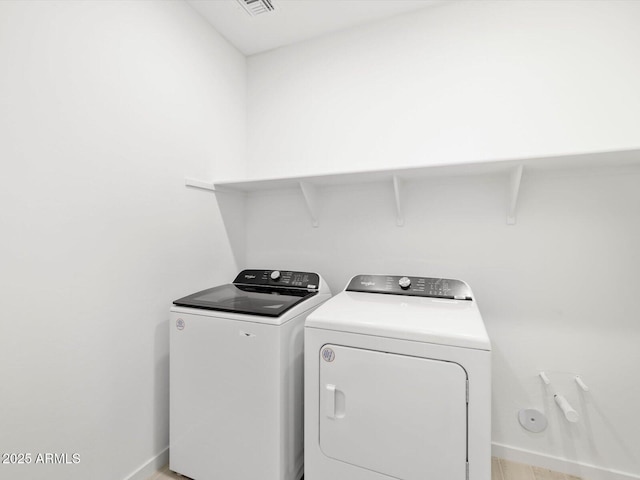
(397,190)
(514,189)
(544,378)
(311,198)
(581,384)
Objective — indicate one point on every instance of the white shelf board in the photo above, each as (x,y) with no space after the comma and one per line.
(561,162)
(512,169)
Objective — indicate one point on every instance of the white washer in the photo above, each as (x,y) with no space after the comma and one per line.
(236,376)
(398,383)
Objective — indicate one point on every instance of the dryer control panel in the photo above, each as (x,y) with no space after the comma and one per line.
(411,286)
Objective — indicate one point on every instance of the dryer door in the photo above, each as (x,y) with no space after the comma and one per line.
(401,416)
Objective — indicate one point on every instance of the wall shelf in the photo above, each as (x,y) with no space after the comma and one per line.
(513,169)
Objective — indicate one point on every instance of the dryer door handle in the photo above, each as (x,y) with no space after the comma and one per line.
(330,401)
(334,402)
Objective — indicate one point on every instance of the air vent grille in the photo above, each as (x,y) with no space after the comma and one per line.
(256,7)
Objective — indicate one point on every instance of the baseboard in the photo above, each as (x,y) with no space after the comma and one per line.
(582,470)
(557,464)
(150,467)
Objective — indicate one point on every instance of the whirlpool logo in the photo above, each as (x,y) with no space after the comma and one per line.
(328,355)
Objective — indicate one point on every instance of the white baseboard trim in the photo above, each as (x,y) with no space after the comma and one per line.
(582,470)
(150,467)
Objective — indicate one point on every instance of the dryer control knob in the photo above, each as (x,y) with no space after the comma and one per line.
(404,282)
(275,275)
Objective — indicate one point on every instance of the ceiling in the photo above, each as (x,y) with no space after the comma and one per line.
(296,20)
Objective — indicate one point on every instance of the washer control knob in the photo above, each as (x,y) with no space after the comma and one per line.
(275,275)
(404,282)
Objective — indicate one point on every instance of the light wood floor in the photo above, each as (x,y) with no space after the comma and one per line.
(500,470)
(505,470)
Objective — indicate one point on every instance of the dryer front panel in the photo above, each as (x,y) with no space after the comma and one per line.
(402,416)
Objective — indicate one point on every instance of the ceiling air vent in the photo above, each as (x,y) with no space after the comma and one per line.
(256,7)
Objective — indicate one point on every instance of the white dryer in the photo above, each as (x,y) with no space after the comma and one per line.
(236,376)
(398,383)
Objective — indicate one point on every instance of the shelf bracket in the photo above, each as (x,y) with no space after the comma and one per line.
(311,198)
(191,182)
(397,190)
(514,189)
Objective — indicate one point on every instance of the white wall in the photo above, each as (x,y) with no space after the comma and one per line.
(104,108)
(457,82)
(466,81)
(557,290)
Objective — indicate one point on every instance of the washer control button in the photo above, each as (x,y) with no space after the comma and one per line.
(404,282)
(275,275)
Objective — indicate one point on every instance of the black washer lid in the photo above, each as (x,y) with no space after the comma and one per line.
(268,293)
(248,299)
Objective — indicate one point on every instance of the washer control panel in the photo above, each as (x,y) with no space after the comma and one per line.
(411,286)
(284,278)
